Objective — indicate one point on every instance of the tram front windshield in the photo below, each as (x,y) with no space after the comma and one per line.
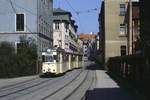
(49,59)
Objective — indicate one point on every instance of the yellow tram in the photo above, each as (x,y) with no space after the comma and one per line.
(57,61)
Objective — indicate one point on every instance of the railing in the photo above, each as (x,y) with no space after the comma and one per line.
(133,70)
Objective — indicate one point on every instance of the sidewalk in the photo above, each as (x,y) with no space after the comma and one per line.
(107,89)
(13,81)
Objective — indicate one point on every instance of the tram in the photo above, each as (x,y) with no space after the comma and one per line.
(57,61)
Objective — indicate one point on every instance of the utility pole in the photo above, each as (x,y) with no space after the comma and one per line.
(130,28)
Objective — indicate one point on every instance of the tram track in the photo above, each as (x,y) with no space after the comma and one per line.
(28,89)
(76,89)
(53,89)
(17,84)
(20,84)
(71,88)
(90,87)
(60,89)
(18,89)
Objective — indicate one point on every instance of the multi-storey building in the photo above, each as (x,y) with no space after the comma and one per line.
(65,30)
(101,34)
(119,28)
(133,27)
(144,26)
(145,34)
(98,43)
(115,35)
(80,46)
(89,45)
(31,18)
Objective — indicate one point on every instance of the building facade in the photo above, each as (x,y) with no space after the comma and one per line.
(80,46)
(115,29)
(101,34)
(30,18)
(65,30)
(133,27)
(119,28)
(89,45)
(145,34)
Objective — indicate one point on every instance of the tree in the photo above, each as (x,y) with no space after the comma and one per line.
(22,63)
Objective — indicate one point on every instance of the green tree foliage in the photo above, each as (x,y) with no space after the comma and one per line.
(21,63)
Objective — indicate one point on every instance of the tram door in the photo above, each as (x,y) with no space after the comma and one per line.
(80,61)
(59,62)
(65,62)
(72,61)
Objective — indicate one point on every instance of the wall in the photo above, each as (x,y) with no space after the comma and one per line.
(37,13)
(7,15)
(113,41)
(45,23)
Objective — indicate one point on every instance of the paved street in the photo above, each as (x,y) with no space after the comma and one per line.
(70,86)
(87,83)
(14,81)
(74,50)
(107,89)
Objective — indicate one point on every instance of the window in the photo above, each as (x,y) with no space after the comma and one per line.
(40,28)
(66,27)
(123,50)
(122,30)
(122,9)
(85,55)
(57,25)
(20,22)
(49,59)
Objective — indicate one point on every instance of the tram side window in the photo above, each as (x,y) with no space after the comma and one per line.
(80,58)
(65,58)
(43,58)
(49,59)
(72,58)
(56,58)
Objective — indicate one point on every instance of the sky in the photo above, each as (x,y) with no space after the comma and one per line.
(87,18)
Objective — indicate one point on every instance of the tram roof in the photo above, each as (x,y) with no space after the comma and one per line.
(56,49)
(59,49)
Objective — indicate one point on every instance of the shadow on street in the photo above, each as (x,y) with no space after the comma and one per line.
(95,67)
(107,91)
(107,94)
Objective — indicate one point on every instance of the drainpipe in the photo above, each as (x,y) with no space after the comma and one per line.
(130,28)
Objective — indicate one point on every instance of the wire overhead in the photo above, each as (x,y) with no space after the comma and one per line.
(71,6)
(14,10)
(75,13)
(87,11)
(80,12)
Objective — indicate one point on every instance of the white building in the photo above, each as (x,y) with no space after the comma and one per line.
(32,18)
(64,30)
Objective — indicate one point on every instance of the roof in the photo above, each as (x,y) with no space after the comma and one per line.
(59,10)
(60,14)
(61,18)
(87,36)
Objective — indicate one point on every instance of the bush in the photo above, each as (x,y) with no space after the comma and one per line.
(22,63)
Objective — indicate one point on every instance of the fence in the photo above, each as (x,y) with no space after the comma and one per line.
(132,69)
